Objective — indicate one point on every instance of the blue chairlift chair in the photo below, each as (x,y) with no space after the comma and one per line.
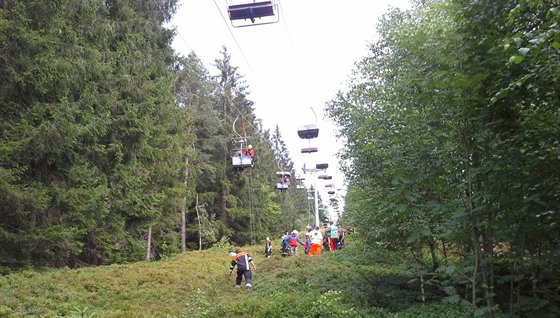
(240,13)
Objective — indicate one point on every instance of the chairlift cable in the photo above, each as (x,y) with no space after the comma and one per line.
(251,214)
(207,70)
(235,40)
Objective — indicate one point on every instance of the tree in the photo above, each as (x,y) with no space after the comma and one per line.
(90,129)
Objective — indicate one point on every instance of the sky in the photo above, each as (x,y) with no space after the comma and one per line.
(292,67)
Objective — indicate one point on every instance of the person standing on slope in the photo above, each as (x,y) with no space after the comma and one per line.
(333,236)
(242,261)
(316,241)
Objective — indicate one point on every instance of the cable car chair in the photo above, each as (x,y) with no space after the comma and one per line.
(265,10)
(309,150)
(238,160)
(281,185)
(300,184)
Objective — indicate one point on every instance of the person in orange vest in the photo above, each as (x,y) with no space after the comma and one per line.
(242,261)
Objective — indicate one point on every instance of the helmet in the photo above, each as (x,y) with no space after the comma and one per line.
(250,147)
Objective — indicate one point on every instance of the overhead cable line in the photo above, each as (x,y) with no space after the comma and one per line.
(235,40)
(208,71)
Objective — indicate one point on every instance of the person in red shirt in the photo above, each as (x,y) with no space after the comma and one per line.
(250,152)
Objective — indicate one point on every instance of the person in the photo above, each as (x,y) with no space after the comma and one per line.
(325,233)
(286,180)
(307,242)
(294,241)
(316,241)
(333,236)
(340,237)
(250,152)
(268,247)
(285,244)
(242,261)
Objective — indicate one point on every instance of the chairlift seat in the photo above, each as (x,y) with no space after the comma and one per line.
(241,161)
(251,11)
(330,192)
(282,186)
(325,177)
(309,150)
(283,174)
(300,186)
(322,166)
(308,131)
(330,185)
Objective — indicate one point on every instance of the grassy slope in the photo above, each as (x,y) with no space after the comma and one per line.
(196,284)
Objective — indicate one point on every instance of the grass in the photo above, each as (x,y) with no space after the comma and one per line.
(196,284)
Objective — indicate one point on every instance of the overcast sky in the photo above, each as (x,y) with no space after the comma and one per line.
(291,66)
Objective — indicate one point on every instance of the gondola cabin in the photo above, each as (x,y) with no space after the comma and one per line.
(309,150)
(308,131)
(263,12)
(322,166)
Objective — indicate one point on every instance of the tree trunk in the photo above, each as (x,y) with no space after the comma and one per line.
(149,255)
(184,209)
(422,293)
(199,225)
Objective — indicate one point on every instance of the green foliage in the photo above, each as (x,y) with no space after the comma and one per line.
(450,149)
(195,284)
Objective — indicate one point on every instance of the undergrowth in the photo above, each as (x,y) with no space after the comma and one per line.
(353,282)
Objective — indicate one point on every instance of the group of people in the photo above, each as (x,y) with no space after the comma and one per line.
(328,238)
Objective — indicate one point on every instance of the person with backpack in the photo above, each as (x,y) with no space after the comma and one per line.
(242,260)
(285,249)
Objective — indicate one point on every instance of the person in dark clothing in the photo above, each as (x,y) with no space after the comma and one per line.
(268,248)
(242,261)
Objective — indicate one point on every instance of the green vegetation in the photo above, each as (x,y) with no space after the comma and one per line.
(114,149)
(196,284)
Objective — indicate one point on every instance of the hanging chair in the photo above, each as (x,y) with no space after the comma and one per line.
(254,12)
(308,131)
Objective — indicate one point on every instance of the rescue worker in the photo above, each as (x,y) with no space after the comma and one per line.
(250,152)
(242,261)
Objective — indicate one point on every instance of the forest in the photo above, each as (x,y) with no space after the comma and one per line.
(116,149)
